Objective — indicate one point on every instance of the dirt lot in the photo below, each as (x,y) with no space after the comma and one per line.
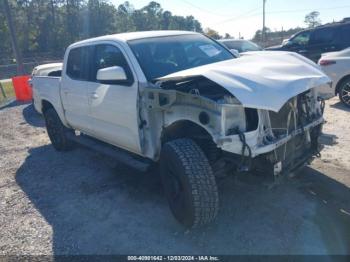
(80,202)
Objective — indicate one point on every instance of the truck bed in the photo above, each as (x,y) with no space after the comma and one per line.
(45,88)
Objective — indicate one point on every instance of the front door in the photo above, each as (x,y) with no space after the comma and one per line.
(322,40)
(113,104)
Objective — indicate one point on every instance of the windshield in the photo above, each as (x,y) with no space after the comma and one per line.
(160,56)
(242,46)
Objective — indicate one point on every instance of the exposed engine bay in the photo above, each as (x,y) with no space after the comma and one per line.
(232,135)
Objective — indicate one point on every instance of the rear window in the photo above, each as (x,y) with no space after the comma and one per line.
(77,63)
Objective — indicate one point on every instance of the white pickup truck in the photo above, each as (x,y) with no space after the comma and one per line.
(184,101)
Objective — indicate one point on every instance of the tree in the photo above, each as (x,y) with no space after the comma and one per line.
(312,19)
(212,33)
(16,50)
(123,20)
(44,28)
(228,36)
(100,19)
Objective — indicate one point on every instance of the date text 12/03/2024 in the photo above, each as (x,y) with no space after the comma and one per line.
(173,258)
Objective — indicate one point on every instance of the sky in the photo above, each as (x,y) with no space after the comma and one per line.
(244,17)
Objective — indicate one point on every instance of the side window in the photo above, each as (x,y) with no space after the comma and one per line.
(77,64)
(345,35)
(323,36)
(301,39)
(107,56)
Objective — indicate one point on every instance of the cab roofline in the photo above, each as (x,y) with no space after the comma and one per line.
(124,37)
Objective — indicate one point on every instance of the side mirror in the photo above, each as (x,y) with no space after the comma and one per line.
(235,52)
(113,73)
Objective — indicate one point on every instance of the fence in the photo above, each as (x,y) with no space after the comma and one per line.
(8,67)
(10,70)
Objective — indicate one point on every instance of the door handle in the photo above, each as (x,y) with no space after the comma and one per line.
(94,95)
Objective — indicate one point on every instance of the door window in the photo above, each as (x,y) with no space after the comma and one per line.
(301,39)
(107,56)
(345,32)
(323,36)
(77,63)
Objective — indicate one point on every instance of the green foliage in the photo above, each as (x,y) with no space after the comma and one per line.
(312,19)
(212,33)
(51,25)
(8,89)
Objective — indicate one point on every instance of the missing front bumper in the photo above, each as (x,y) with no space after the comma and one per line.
(292,156)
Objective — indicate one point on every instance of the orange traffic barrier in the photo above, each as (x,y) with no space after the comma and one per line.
(22,88)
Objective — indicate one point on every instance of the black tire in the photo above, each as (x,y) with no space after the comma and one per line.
(344,92)
(57,131)
(189,183)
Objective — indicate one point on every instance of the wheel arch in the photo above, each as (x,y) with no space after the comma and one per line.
(184,129)
(192,130)
(340,82)
(46,105)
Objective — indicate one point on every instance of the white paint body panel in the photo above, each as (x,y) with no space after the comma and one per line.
(340,69)
(45,69)
(263,80)
(48,88)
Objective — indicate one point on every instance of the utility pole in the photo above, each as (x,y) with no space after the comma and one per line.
(263,36)
(18,55)
(282,35)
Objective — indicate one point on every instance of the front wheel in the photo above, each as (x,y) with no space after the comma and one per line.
(344,92)
(189,183)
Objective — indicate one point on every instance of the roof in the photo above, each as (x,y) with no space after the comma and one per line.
(135,35)
(233,40)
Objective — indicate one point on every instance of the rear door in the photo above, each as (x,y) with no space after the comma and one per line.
(113,104)
(322,40)
(345,36)
(74,88)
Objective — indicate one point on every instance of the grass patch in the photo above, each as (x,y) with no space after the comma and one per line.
(9,91)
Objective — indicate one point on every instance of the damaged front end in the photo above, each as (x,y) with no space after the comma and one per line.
(238,138)
(284,141)
(244,115)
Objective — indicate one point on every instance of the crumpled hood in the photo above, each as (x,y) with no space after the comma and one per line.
(263,80)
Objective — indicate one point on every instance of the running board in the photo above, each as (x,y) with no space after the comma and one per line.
(111,151)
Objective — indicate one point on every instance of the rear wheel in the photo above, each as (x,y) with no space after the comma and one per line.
(189,183)
(57,131)
(344,92)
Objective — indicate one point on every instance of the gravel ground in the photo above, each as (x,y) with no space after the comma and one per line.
(80,202)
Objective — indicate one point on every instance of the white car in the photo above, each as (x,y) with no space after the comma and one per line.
(337,66)
(184,101)
(240,45)
(46,69)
